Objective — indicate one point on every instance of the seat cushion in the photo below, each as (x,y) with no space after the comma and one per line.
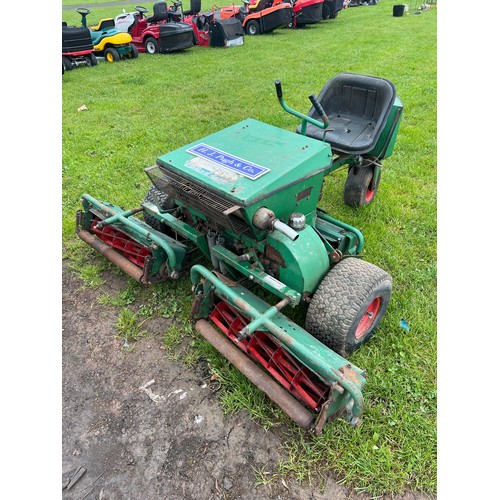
(357,107)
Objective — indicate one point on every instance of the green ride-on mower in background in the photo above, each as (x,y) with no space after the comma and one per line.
(246,199)
(108,42)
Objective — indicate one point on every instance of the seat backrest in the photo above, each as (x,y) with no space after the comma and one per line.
(160,12)
(260,5)
(105,24)
(194,8)
(361,96)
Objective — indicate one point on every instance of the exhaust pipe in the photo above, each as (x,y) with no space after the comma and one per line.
(264,382)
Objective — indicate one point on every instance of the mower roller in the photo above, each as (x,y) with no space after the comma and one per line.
(246,199)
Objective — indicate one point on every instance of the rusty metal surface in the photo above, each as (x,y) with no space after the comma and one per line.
(112,255)
(264,382)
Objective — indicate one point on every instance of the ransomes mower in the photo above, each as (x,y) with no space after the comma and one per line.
(246,199)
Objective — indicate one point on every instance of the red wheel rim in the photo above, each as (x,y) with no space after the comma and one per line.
(368,318)
(370,192)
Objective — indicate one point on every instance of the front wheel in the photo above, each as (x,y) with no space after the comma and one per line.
(111,55)
(252,28)
(91,60)
(348,305)
(151,46)
(134,53)
(361,185)
(66,62)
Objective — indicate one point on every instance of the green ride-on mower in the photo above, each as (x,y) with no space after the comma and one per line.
(108,42)
(246,199)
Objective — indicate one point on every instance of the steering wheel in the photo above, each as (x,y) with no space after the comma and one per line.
(82,11)
(141,10)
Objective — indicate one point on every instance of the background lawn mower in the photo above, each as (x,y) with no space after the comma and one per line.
(262,16)
(307,12)
(246,199)
(77,47)
(331,8)
(158,33)
(108,42)
(212,32)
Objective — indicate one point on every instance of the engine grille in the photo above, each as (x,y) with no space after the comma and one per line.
(216,209)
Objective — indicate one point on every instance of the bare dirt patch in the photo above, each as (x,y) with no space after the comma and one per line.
(167,439)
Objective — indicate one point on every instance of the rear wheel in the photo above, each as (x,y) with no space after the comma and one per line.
(361,187)
(151,46)
(111,55)
(252,27)
(349,305)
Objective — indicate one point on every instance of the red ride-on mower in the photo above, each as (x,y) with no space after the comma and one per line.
(307,12)
(209,31)
(159,33)
(262,16)
(77,47)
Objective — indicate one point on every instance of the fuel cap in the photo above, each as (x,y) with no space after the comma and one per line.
(297,221)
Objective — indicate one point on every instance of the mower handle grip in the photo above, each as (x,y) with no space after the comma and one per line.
(317,106)
(279,92)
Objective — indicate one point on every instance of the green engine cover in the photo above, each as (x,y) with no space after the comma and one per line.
(253,164)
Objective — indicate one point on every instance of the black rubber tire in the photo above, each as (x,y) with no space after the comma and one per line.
(151,46)
(343,300)
(112,55)
(359,189)
(162,201)
(252,28)
(134,53)
(91,60)
(67,63)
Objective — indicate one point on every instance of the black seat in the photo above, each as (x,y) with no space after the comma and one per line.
(260,5)
(106,23)
(160,12)
(357,107)
(195,8)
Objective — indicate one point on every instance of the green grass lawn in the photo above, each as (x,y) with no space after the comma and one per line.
(139,109)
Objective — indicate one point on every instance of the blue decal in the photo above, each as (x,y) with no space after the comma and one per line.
(242,167)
